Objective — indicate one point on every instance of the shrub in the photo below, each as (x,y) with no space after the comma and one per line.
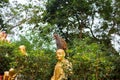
(89,61)
(6,56)
(36,66)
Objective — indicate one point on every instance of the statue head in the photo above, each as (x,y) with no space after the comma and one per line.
(23,49)
(3,35)
(6,73)
(12,71)
(60,54)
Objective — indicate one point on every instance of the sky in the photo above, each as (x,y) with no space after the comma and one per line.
(21,1)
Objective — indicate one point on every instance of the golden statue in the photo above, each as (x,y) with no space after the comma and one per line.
(6,75)
(10,75)
(23,50)
(3,37)
(63,68)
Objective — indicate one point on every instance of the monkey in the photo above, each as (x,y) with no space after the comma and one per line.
(60,42)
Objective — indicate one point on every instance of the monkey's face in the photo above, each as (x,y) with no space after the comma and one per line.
(55,36)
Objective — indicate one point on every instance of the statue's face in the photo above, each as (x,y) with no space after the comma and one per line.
(6,73)
(22,49)
(1,34)
(60,55)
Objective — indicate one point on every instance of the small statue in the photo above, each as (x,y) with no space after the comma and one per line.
(6,75)
(23,50)
(12,74)
(63,68)
(3,37)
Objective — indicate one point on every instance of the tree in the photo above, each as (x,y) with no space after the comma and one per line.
(74,16)
(69,18)
(26,19)
(2,25)
(7,53)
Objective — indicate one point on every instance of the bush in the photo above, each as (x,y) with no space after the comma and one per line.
(6,56)
(36,66)
(90,62)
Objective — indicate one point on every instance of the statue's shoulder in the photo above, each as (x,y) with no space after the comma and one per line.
(66,62)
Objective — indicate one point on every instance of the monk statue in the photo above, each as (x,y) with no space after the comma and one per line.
(63,68)
(3,37)
(23,50)
(12,74)
(6,75)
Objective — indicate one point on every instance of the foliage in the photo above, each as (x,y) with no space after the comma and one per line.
(90,51)
(28,22)
(116,71)
(90,62)
(77,14)
(69,18)
(4,1)
(6,56)
(37,65)
(2,25)
(20,14)
(24,41)
(73,17)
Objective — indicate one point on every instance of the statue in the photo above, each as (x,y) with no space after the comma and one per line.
(3,37)
(6,75)
(63,68)
(12,74)
(23,50)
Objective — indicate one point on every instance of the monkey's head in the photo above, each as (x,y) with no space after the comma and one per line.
(55,36)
